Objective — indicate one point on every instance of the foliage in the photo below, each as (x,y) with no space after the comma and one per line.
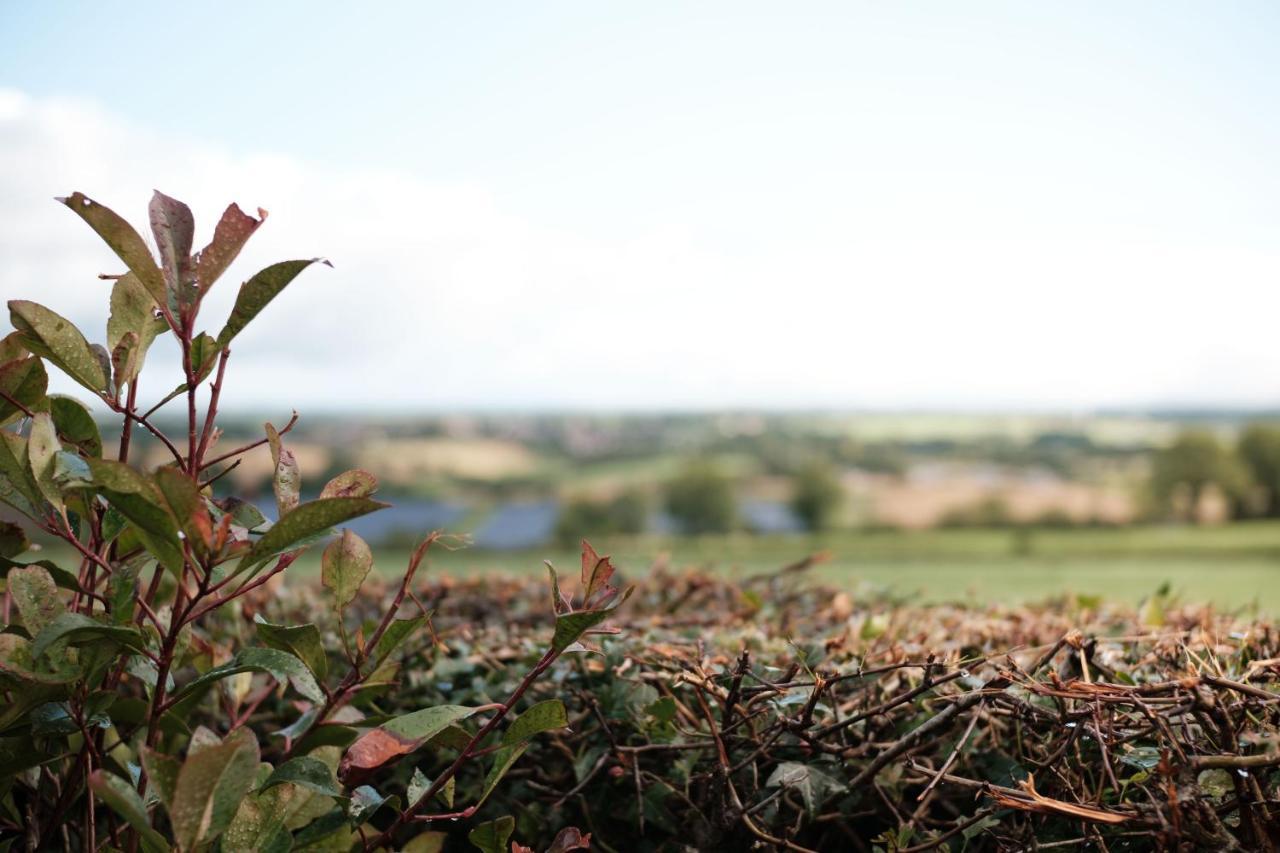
(626,514)
(700,499)
(1259,450)
(1183,472)
(816,496)
(141,706)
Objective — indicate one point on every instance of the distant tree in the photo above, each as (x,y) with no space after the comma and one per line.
(585,517)
(701,499)
(1183,473)
(816,495)
(1259,451)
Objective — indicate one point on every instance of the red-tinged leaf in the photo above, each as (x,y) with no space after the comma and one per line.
(397,737)
(233,230)
(570,838)
(174,227)
(351,484)
(596,571)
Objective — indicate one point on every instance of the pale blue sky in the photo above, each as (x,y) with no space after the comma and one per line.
(849,204)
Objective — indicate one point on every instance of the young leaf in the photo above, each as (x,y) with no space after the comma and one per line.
(596,571)
(397,737)
(344,566)
(307,520)
(52,336)
(131,327)
(303,641)
(492,836)
(123,240)
(257,292)
(233,230)
(571,626)
(174,227)
(23,380)
(210,786)
(350,484)
(308,772)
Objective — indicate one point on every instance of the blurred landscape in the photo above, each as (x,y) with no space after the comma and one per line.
(933,507)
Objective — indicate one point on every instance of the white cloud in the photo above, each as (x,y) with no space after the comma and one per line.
(441,297)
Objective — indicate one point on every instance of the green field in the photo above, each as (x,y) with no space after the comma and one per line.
(1232,566)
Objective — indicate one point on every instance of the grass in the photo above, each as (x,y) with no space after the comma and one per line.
(1231,566)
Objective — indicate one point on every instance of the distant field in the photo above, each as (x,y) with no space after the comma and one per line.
(1231,566)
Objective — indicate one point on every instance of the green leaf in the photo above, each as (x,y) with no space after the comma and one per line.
(131,328)
(77,628)
(233,230)
(543,717)
(398,737)
(55,719)
(492,836)
(503,760)
(364,802)
(307,520)
(75,425)
(53,337)
(306,771)
(257,292)
(303,641)
(139,500)
(25,381)
(36,597)
(122,590)
(571,626)
(397,632)
(174,228)
(181,496)
(18,487)
(283,666)
(42,447)
(162,774)
(124,800)
(286,479)
(344,566)
(210,786)
(123,240)
(16,661)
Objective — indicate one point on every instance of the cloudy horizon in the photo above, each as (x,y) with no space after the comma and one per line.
(867,209)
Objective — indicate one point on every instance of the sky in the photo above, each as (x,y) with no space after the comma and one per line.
(672,206)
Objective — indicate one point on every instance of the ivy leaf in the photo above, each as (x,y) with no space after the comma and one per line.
(344,566)
(303,641)
(123,240)
(210,786)
(233,230)
(23,380)
(542,717)
(124,800)
(52,336)
(492,836)
(812,784)
(307,520)
(306,771)
(257,292)
(397,737)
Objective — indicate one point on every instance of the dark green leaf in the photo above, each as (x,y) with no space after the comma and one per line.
(23,380)
(542,717)
(77,628)
(181,497)
(503,760)
(75,425)
(307,520)
(162,773)
(492,836)
(397,632)
(306,771)
(124,800)
(17,486)
(303,641)
(138,499)
(13,540)
(257,292)
(283,666)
